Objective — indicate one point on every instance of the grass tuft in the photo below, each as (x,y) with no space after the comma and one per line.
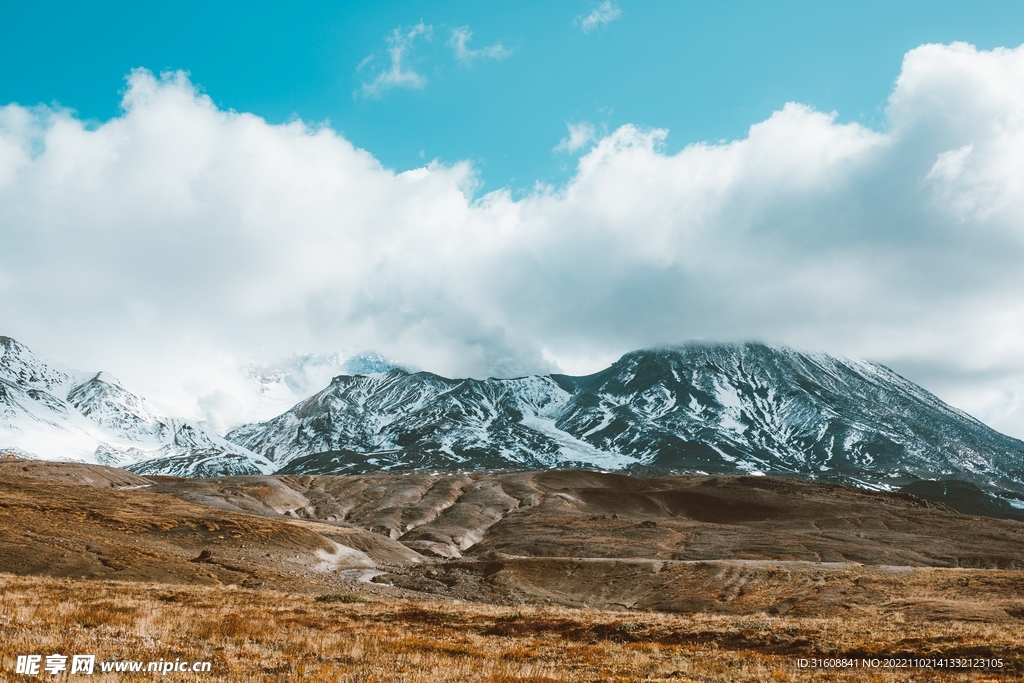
(341,597)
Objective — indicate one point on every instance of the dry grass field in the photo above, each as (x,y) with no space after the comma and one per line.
(264,635)
(499,578)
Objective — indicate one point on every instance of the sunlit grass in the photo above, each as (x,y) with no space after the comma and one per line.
(253,635)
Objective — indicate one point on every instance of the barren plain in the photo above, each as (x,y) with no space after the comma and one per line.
(543,576)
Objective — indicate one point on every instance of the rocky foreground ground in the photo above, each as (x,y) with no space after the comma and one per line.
(650,576)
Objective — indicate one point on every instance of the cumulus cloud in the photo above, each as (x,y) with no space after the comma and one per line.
(459,42)
(169,242)
(397,74)
(603,14)
(580,135)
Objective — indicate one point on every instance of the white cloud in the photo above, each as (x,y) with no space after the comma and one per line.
(171,241)
(603,14)
(398,74)
(459,42)
(580,134)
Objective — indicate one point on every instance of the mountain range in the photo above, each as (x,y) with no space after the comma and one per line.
(712,408)
(59,414)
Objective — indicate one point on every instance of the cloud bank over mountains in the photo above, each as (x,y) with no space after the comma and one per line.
(169,242)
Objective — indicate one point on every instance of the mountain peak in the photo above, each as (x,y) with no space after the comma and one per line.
(93,418)
(11,350)
(106,378)
(705,407)
(710,407)
(370,363)
(19,365)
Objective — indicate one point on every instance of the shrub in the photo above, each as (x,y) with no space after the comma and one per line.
(341,597)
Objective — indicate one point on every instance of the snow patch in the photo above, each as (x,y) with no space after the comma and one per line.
(573,449)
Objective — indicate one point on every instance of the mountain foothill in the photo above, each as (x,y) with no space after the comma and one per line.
(713,478)
(703,409)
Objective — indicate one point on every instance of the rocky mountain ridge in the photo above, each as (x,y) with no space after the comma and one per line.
(699,408)
(714,408)
(57,414)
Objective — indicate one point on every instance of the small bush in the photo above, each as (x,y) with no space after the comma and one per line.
(514,616)
(341,597)
(631,627)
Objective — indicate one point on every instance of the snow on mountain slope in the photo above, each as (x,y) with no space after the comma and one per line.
(64,415)
(707,407)
(716,408)
(18,365)
(270,388)
(103,400)
(754,407)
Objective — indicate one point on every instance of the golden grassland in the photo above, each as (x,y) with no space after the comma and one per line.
(262,635)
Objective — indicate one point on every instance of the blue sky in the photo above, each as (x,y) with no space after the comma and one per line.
(705,71)
(187,187)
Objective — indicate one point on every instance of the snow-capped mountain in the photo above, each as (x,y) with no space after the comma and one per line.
(715,408)
(254,390)
(58,414)
(303,374)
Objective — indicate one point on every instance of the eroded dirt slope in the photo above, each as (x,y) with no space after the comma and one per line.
(50,527)
(590,514)
(736,545)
